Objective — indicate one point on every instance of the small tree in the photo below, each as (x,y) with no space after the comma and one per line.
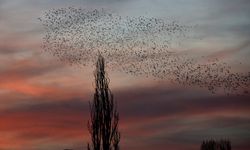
(103,123)
(216,145)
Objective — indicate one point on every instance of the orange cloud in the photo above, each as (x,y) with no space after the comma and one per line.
(29,89)
(27,128)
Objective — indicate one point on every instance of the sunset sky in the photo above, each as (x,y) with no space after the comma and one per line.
(44,103)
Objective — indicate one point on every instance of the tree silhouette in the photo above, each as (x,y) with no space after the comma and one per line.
(103,123)
(216,145)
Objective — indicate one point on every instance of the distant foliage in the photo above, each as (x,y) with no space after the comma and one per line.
(216,145)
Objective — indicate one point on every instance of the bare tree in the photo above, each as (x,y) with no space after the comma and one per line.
(216,145)
(103,124)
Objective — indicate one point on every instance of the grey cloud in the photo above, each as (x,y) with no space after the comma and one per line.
(73,105)
(191,132)
(153,102)
(235,129)
(24,72)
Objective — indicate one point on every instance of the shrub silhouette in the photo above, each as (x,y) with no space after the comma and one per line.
(103,123)
(216,145)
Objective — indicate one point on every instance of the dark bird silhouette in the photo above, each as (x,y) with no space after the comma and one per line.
(134,45)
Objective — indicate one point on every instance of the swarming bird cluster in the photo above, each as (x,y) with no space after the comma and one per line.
(135,45)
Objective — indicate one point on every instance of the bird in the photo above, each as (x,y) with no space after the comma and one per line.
(134,45)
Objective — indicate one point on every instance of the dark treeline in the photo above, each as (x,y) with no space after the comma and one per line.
(216,145)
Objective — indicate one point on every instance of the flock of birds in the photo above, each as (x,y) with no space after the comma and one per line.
(135,45)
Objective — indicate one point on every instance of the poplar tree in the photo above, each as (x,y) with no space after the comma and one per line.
(104,117)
